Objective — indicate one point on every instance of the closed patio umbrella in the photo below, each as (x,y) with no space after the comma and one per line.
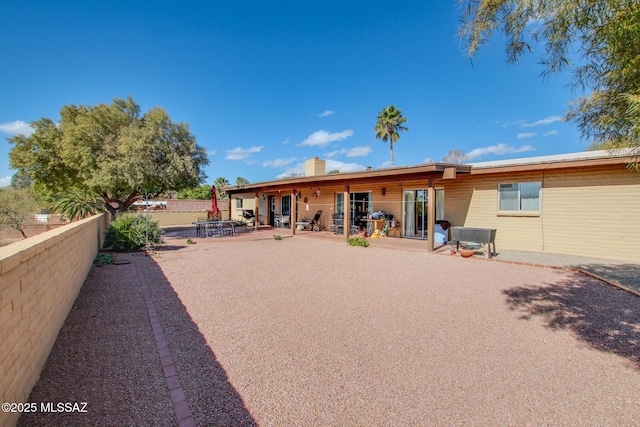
(214,201)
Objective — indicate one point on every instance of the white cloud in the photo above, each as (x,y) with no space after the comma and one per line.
(322,138)
(526,135)
(327,113)
(545,121)
(278,163)
(500,149)
(344,167)
(350,152)
(242,153)
(358,151)
(5,182)
(211,152)
(297,170)
(551,132)
(17,127)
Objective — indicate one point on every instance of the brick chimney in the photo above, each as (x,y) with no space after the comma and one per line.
(314,167)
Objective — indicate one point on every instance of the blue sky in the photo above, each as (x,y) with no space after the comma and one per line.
(266,85)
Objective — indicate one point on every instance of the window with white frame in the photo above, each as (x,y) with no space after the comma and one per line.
(522,196)
(239,202)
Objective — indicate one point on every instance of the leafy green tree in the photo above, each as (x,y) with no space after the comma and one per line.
(241,181)
(389,125)
(112,151)
(220,183)
(603,35)
(16,207)
(20,181)
(202,192)
(78,203)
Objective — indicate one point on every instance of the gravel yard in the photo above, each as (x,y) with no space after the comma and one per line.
(309,332)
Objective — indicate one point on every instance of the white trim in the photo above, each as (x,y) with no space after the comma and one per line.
(584,155)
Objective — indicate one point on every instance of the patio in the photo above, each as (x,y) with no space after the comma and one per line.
(311,331)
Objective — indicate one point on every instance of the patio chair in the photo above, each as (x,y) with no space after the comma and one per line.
(285,221)
(314,224)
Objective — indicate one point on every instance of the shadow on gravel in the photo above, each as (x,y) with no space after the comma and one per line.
(106,355)
(625,274)
(211,397)
(605,318)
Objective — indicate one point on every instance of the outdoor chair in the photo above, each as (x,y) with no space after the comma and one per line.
(227,227)
(201,228)
(314,224)
(285,221)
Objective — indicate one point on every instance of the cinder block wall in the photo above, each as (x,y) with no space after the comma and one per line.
(167,218)
(40,278)
(195,205)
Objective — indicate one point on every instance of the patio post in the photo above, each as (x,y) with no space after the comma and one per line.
(256,219)
(431,216)
(294,212)
(346,209)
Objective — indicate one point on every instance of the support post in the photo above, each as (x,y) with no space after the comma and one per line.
(346,221)
(256,220)
(431,216)
(294,212)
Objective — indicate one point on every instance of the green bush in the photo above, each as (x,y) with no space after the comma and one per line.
(358,241)
(127,233)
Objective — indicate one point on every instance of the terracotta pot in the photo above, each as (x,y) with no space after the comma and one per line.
(466,253)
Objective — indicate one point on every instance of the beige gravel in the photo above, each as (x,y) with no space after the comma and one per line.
(308,332)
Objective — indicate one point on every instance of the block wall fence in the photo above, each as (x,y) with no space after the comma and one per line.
(40,278)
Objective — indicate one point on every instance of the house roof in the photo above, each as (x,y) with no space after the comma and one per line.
(556,161)
(404,173)
(437,171)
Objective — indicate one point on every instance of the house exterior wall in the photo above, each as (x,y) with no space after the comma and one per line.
(584,211)
(248,203)
(587,208)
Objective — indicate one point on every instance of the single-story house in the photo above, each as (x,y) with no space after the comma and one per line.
(580,203)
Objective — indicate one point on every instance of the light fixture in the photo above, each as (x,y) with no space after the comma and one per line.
(384,191)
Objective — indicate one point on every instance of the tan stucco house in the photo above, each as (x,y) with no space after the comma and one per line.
(584,204)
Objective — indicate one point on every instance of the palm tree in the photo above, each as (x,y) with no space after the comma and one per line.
(78,203)
(220,183)
(389,125)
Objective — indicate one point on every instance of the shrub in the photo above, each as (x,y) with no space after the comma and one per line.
(102,259)
(358,241)
(127,233)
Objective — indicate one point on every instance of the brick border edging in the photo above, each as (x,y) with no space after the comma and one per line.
(555,267)
(174,385)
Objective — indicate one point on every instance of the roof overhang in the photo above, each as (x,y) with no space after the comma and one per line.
(609,161)
(431,171)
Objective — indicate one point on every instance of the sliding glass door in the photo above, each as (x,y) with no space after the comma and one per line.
(359,206)
(415,207)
